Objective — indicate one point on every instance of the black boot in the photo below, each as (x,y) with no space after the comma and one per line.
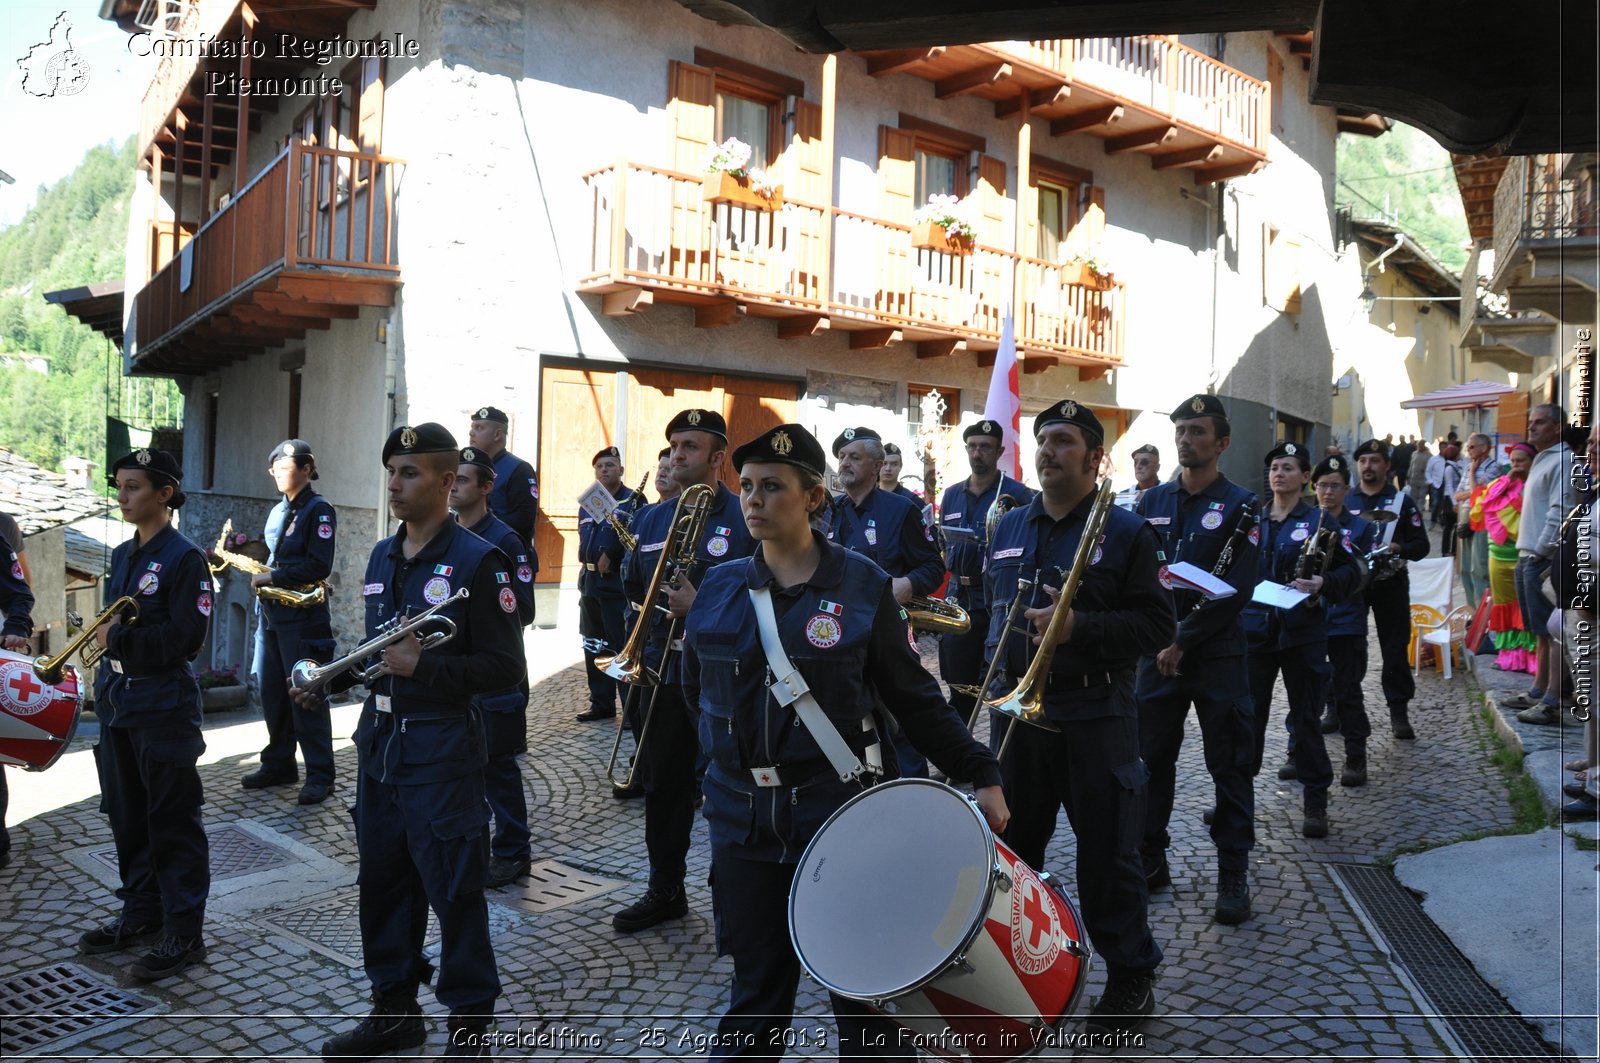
(1157,875)
(1399,724)
(1330,722)
(395,1024)
(1315,824)
(1233,897)
(468,1038)
(1355,770)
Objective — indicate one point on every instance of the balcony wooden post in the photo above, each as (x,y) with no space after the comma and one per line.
(177,180)
(830,105)
(619,218)
(291,202)
(1024,176)
(206,119)
(241,172)
(155,209)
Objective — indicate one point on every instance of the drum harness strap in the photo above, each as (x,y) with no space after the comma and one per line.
(789,688)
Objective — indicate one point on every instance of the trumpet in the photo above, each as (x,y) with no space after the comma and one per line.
(52,669)
(294,596)
(309,676)
(688,525)
(938,616)
(1026,702)
(624,536)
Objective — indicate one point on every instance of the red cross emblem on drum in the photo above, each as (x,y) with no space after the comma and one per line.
(20,690)
(1035,927)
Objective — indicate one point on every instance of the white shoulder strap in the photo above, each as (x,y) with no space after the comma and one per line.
(789,688)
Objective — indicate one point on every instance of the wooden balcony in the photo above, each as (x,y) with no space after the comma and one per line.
(309,240)
(1139,94)
(656,239)
(1546,233)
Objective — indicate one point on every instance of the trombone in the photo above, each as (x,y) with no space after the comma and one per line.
(51,670)
(309,676)
(678,555)
(981,691)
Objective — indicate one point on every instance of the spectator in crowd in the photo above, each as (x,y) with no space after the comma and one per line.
(1400,460)
(1445,473)
(1577,588)
(1417,475)
(1482,470)
(1500,512)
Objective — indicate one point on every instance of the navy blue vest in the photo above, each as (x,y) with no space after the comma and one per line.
(515,498)
(1282,541)
(1349,617)
(597,539)
(145,678)
(303,555)
(498,533)
(1196,528)
(964,555)
(889,531)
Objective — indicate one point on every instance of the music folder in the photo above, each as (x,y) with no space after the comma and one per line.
(597,502)
(1189,577)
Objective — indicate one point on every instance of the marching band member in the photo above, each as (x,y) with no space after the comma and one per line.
(1091,765)
(666,486)
(889,531)
(422,822)
(505,712)
(1388,595)
(16,601)
(1347,626)
(516,485)
(600,597)
(966,505)
(769,787)
(300,533)
(699,441)
(1295,641)
(1146,475)
(1196,517)
(889,476)
(149,708)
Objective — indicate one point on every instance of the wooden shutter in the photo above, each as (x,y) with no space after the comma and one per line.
(992,201)
(1511,419)
(808,165)
(897,170)
(1090,227)
(369,124)
(692,107)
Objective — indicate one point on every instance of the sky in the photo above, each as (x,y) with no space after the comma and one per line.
(42,139)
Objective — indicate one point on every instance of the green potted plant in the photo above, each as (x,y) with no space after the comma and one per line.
(941,225)
(221,688)
(730,179)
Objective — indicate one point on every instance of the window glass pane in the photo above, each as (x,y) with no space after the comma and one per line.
(936,175)
(1050,227)
(747,120)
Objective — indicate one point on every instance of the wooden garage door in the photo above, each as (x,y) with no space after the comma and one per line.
(578,418)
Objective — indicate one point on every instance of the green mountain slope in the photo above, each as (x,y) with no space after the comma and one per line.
(1404,177)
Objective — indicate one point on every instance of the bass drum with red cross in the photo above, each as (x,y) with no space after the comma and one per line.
(37,721)
(982,959)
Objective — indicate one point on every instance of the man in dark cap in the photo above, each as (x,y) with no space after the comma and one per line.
(889,475)
(516,485)
(964,514)
(1089,760)
(888,530)
(505,712)
(1146,474)
(421,817)
(670,749)
(300,535)
(600,597)
(1203,519)
(1389,592)
(148,703)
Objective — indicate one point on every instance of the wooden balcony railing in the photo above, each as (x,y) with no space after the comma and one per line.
(311,212)
(1533,202)
(199,20)
(653,230)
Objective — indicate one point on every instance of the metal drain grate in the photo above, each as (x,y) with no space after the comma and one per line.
(234,853)
(1486,1025)
(331,925)
(55,1002)
(552,885)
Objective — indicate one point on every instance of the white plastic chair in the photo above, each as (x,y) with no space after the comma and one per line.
(1445,637)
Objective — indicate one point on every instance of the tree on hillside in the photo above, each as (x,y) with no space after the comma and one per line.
(1405,177)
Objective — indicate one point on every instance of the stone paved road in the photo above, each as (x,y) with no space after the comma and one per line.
(1304,978)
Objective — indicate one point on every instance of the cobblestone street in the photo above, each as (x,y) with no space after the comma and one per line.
(1304,978)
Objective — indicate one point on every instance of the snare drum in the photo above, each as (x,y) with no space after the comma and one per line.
(36,721)
(905,900)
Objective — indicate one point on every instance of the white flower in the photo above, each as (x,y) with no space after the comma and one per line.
(949,213)
(761,183)
(730,157)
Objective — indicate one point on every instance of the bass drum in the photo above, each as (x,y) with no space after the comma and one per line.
(906,901)
(37,721)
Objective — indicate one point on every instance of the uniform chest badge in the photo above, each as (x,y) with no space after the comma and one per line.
(203,603)
(1416,520)
(437,590)
(716,546)
(872,532)
(1255,535)
(948,517)
(1300,533)
(369,589)
(533,488)
(824,631)
(149,583)
(1163,578)
(324,529)
(16,570)
(1094,558)
(508,600)
(290,529)
(525,573)
(1212,519)
(1014,551)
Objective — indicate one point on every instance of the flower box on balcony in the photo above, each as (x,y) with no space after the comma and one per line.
(1080,274)
(931,236)
(724,187)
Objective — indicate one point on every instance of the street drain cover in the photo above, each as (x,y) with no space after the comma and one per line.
(331,925)
(234,853)
(552,884)
(55,1002)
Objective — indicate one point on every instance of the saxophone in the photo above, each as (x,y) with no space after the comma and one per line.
(294,596)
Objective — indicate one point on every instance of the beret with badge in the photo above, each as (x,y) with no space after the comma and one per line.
(429,438)
(1067,411)
(298,449)
(606,452)
(853,435)
(698,421)
(787,444)
(1373,446)
(1289,449)
(159,465)
(480,458)
(491,413)
(1332,465)
(992,429)
(1199,406)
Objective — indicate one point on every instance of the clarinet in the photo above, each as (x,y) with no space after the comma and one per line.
(1241,528)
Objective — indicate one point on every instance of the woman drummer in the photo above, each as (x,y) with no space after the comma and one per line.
(770,787)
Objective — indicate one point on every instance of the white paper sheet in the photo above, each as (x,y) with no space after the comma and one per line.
(1198,579)
(1277,595)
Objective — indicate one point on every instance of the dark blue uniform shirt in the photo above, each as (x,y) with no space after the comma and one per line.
(889,531)
(1409,533)
(303,555)
(1269,628)
(498,533)
(960,508)
(16,599)
(1195,528)
(1349,617)
(515,498)
(1122,611)
(145,678)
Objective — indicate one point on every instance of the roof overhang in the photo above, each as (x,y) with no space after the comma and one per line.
(1475,394)
(97,305)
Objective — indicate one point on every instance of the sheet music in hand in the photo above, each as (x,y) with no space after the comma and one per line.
(1185,576)
(597,502)
(1277,595)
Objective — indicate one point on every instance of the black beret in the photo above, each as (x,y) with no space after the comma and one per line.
(698,421)
(474,456)
(491,413)
(850,435)
(1289,449)
(608,452)
(1333,463)
(293,448)
(160,466)
(992,429)
(1199,406)
(427,438)
(666,452)
(1148,448)
(787,444)
(1373,446)
(1075,413)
